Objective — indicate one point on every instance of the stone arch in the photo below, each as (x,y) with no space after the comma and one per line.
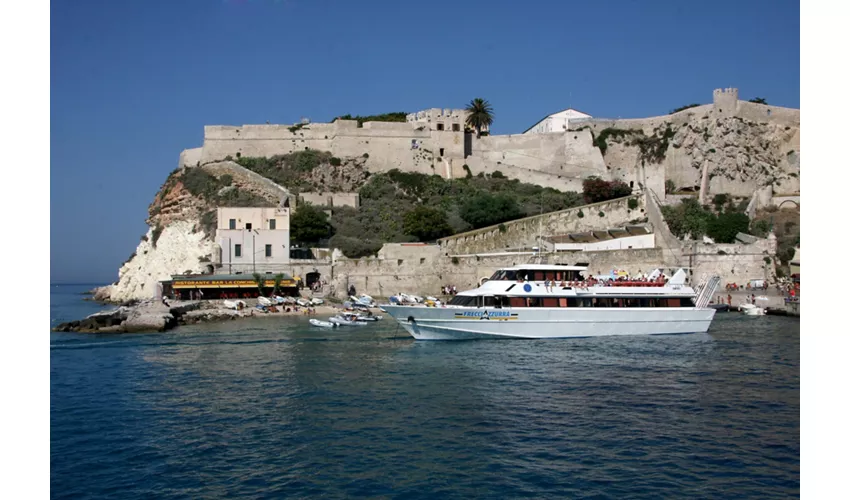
(788,203)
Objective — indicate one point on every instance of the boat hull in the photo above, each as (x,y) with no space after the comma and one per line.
(462,323)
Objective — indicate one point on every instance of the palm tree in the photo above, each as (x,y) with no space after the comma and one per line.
(480,115)
(260,279)
(277,279)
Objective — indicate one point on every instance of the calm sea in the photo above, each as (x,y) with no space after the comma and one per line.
(272,408)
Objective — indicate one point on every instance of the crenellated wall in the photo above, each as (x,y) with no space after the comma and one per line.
(736,146)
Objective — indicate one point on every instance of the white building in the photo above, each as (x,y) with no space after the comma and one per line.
(557,122)
(253,239)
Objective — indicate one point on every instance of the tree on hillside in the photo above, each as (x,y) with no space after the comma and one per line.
(485,209)
(309,225)
(759,100)
(480,115)
(426,223)
(724,227)
(596,189)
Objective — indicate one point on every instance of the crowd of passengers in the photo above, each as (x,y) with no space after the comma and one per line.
(553,278)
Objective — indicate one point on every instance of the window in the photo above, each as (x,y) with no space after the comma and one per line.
(272,224)
(440,126)
(248,226)
(237,250)
(455,127)
(517,302)
(232,223)
(268,250)
(442,151)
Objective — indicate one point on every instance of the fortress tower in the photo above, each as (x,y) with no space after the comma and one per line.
(726,101)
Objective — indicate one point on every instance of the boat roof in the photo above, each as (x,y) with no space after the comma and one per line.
(544,267)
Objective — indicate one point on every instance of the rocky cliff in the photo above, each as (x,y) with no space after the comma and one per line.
(181,225)
(736,154)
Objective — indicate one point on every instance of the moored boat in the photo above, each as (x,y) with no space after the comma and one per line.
(347,319)
(556,301)
(323,324)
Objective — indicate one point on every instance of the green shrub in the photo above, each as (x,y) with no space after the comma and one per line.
(669,187)
(226,180)
(601,213)
(721,252)
(596,190)
(580,214)
(365,155)
(719,200)
(309,225)
(355,248)
(155,234)
(426,223)
(399,116)
(497,174)
(485,209)
(633,203)
(228,158)
(208,222)
(455,261)
(760,228)
(502,228)
(601,141)
(335,161)
(767,260)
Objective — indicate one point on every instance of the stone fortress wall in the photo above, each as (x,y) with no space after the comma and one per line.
(738,146)
(741,147)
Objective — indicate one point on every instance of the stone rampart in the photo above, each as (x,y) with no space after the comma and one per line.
(253,181)
(331,199)
(190,157)
(664,238)
(734,263)
(524,233)
(384,277)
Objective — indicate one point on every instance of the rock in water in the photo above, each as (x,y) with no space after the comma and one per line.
(149,318)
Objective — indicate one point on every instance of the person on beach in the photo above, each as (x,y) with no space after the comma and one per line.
(729,298)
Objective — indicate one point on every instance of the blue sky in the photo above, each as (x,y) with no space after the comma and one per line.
(133,83)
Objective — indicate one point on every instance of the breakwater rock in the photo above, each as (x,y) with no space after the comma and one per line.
(153,316)
(145,316)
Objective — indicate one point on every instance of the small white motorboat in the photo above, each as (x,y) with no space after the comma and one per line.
(362,317)
(347,320)
(234,304)
(316,301)
(264,301)
(751,310)
(303,302)
(323,324)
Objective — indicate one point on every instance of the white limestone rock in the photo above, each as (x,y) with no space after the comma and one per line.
(178,249)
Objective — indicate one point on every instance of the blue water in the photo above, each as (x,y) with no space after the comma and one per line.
(272,408)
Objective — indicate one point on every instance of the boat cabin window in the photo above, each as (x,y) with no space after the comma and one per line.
(463,300)
(499,301)
(504,276)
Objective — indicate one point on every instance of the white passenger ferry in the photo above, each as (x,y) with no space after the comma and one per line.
(536,301)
